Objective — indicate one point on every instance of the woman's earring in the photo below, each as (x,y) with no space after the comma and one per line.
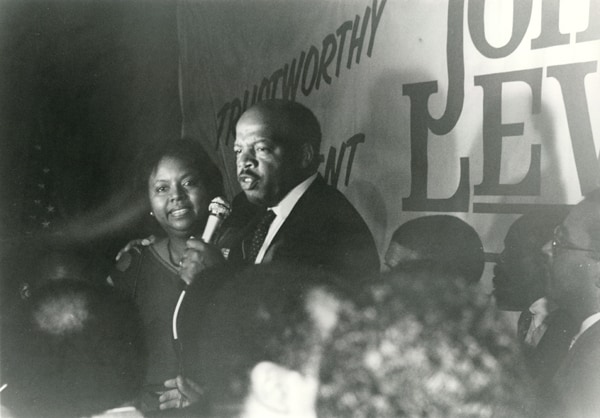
(151,213)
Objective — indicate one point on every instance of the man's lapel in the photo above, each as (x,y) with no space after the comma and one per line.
(297,219)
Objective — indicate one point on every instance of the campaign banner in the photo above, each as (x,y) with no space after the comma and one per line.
(480,109)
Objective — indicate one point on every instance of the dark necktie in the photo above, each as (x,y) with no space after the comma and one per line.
(523,324)
(259,235)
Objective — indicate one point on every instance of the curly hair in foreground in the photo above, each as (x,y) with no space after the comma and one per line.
(428,346)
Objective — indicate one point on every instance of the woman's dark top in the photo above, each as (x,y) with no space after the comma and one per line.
(155,286)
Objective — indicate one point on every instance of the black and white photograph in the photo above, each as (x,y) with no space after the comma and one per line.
(300,208)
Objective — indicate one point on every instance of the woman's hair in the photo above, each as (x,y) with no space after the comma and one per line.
(189,152)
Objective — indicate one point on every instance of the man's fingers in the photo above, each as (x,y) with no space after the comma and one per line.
(192,385)
(196,244)
(122,251)
(169,395)
(171,404)
(148,241)
(197,257)
(174,398)
(182,392)
(191,391)
(135,243)
(171,383)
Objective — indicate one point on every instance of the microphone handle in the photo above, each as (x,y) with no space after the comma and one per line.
(212,224)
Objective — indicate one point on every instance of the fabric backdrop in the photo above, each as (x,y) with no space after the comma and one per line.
(481,109)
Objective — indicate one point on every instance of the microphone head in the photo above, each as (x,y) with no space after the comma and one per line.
(219,207)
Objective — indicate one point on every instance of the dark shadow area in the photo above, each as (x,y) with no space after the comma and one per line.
(84,86)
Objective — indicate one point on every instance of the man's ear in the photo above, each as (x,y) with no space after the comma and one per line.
(307,155)
(268,386)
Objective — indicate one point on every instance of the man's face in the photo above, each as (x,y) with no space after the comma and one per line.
(267,166)
(520,273)
(576,258)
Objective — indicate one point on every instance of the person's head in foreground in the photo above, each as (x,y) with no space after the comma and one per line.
(575,255)
(444,239)
(521,273)
(259,343)
(79,352)
(276,147)
(429,346)
(181,180)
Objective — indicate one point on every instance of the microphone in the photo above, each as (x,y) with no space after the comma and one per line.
(219,209)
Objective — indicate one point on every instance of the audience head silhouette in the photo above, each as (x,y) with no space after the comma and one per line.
(259,346)
(79,352)
(442,238)
(429,346)
(521,272)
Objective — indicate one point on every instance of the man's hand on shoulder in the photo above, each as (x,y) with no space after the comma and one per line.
(123,258)
(135,244)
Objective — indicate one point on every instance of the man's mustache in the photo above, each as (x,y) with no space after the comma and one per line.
(248,173)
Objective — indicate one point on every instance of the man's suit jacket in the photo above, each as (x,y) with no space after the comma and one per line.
(544,359)
(323,230)
(577,381)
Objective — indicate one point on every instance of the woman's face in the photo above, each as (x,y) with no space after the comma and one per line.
(178,197)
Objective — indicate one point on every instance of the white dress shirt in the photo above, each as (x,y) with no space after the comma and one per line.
(282,211)
(540,310)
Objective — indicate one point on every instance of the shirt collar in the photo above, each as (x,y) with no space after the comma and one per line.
(285,206)
(588,322)
(543,306)
(540,309)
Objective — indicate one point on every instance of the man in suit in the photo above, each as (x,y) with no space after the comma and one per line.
(520,279)
(575,286)
(286,211)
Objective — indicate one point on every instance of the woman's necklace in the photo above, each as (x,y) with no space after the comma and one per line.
(171,259)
